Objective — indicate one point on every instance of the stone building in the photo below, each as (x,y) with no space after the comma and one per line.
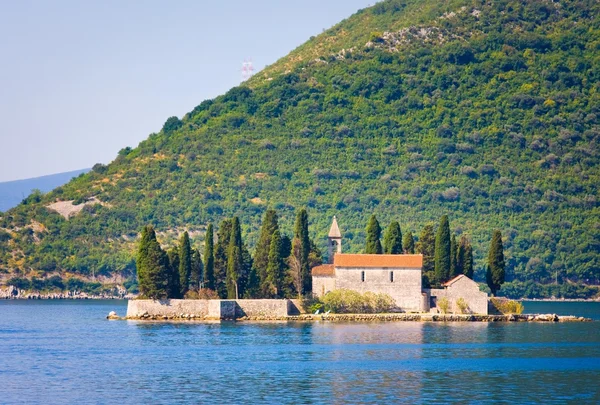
(399,276)
(460,287)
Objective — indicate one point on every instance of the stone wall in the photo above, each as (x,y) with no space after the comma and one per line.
(405,288)
(466,289)
(136,308)
(321,285)
(210,309)
(261,308)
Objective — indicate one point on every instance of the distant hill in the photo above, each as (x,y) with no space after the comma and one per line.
(484,110)
(13,192)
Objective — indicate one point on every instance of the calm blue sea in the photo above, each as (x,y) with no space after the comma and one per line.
(67,352)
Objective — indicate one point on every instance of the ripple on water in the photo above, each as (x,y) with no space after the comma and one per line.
(67,352)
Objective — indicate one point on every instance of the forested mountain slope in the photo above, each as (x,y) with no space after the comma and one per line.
(487,111)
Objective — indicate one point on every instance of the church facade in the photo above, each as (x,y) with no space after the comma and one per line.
(399,276)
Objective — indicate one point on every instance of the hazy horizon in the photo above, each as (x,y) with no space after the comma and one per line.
(83,80)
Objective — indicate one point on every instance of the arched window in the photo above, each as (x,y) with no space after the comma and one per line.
(391,276)
(362,276)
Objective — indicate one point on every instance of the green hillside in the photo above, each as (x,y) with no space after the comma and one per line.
(486,111)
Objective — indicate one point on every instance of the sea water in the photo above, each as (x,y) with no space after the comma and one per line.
(67,352)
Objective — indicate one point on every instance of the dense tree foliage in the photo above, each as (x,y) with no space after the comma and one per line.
(443,255)
(262,251)
(197,272)
(392,240)
(409,243)
(173,278)
(488,110)
(426,247)
(373,245)
(153,266)
(209,259)
(495,267)
(276,267)
(185,263)
(301,234)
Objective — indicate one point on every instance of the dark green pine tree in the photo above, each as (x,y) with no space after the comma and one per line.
(460,255)
(392,240)
(453,257)
(209,259)
(174,286)
(426,247)
(373,235)
(495,269)
(221,253)
(245,281)
(142,258)
(409,243)
(275,267)
(185,263)
(301,233)
(197,276)
(261,254)
(157,270)
(442,251)
(152,266)
(468,266)
(235,260)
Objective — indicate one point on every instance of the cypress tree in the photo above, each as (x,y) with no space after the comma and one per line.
(234,260)
(460,255)
(209,259)
(301,232)
(275,267)
(221,254)
(185,263)
(426,247)
(261,254)
(392,241)
(495,269)
(453,257)
(468,266)
(142,259)
(409,243)
(155,268)
(197,276)
(244,281)
(174,285)
(373,235)
(442,251)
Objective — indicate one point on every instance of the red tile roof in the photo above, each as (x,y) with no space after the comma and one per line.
(454,280)
(350,260)
(325,270)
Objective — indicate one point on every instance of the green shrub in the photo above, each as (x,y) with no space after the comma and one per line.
(462,305)
(348,301)
(202,294)
(443,305)
(507,306)
(20,283)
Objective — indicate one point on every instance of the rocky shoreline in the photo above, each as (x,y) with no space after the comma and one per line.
(548,318)
(12,293)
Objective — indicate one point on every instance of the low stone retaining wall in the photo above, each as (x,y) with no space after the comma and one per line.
(206,309)
(279,310)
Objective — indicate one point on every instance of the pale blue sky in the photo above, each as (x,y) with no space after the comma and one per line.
(80,80)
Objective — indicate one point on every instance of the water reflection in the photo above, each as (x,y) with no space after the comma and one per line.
(70,353)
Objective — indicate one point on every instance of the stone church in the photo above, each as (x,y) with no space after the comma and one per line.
(399,276)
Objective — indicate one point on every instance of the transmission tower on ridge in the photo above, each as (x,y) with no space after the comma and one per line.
(247,69)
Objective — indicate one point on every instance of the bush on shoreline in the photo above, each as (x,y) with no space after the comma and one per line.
(351,302)
(506,306)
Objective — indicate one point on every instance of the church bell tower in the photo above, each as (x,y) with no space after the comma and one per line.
(335,240)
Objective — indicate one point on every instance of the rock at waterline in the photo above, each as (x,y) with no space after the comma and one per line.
(112,315)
